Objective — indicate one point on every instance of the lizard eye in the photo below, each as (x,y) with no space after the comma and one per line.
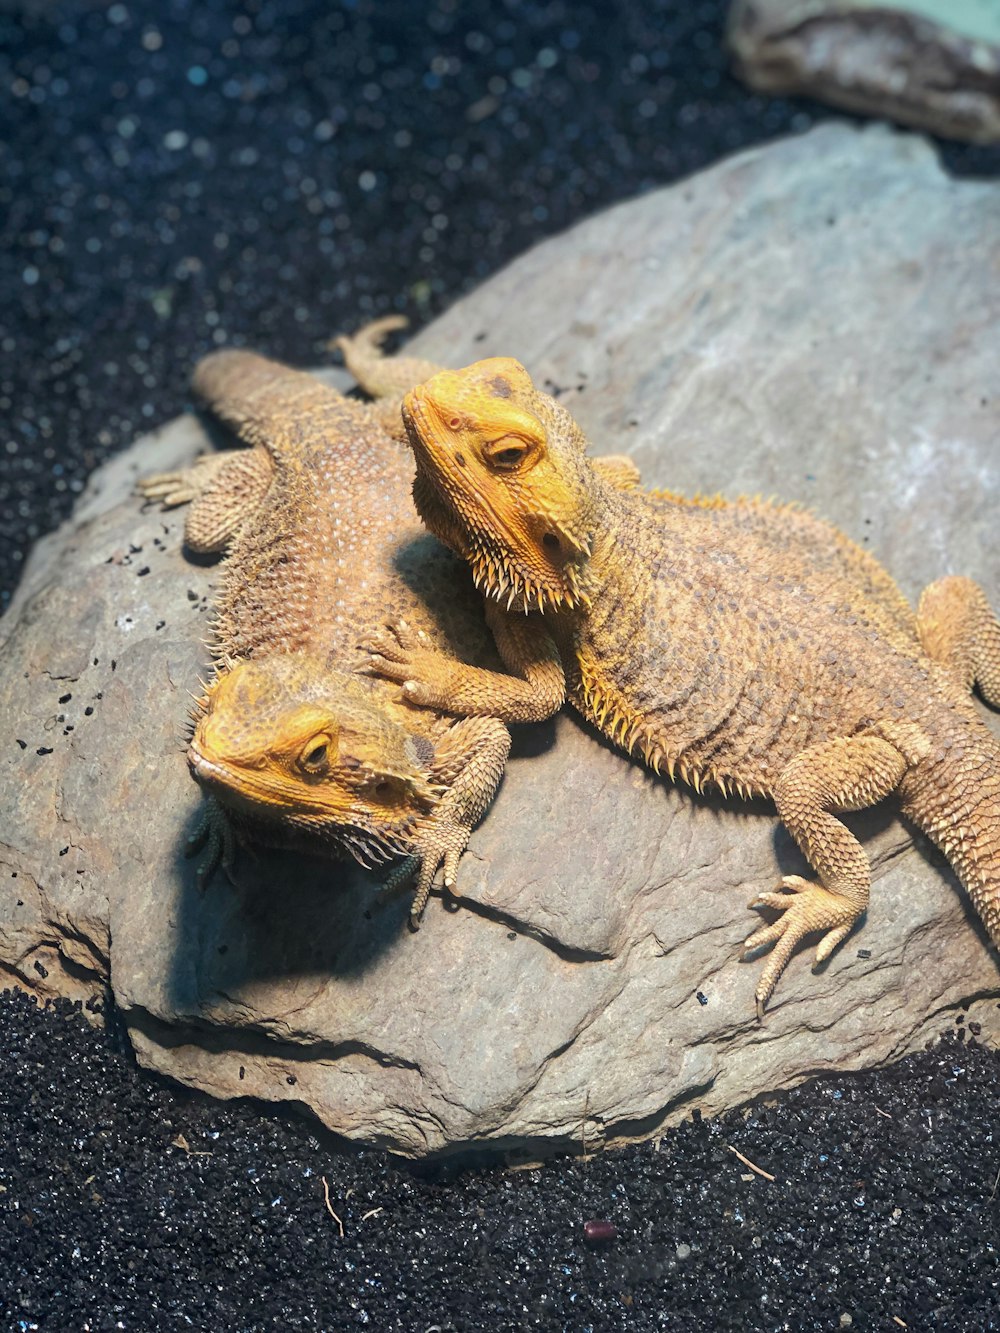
(506,452)
(313,758)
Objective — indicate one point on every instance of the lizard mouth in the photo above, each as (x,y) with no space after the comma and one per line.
(225,781)
(204,770)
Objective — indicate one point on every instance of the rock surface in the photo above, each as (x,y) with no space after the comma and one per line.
(933,64)
(811,319)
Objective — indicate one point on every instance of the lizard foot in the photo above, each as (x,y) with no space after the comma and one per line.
(180,487)
(439,846)
(403,654)
(806,908)
(215,839)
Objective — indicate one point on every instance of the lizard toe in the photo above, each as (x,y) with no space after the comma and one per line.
(805,909)
(409,639)
(386,644)
(401,875)
(380,665)
(416,692)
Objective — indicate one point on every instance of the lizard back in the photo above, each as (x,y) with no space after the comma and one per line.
(740,633)
(335,543)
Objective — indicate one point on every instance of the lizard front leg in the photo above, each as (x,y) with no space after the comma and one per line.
(215,837)
(833,776)
(469,762)
(432,679)
(959,629)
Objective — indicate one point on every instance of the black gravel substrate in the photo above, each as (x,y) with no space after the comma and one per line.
(180,174)
(125,1204)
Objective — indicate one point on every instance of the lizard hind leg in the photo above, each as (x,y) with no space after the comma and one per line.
(223,490)
(832,776)
(959,629)
(382,376)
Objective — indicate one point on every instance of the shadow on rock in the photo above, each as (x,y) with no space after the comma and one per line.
(284,915)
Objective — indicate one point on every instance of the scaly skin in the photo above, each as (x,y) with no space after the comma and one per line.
(741,644)
(293,745)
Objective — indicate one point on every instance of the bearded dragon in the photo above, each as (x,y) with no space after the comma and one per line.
(740,644)
(294,746)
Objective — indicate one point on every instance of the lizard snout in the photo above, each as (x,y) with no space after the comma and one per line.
(203,769)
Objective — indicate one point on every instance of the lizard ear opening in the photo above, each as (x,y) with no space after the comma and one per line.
(389,789)
(399,789)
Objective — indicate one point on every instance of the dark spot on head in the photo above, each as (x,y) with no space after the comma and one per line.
(459,458)
(500,387)
(550,541)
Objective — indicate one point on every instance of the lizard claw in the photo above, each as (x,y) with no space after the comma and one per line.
(806,908)
(407,656)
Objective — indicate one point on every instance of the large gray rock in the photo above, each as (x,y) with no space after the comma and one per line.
(814,319)
(933,64)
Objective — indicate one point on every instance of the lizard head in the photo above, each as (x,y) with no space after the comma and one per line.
(502,479)
(287,741)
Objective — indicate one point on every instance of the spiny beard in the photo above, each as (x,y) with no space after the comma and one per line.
(497,577)
(495,573)
(373,846)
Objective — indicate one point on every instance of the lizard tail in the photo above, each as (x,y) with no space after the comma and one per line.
(378,375)
(368,340)
(953,795)
(262,400)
